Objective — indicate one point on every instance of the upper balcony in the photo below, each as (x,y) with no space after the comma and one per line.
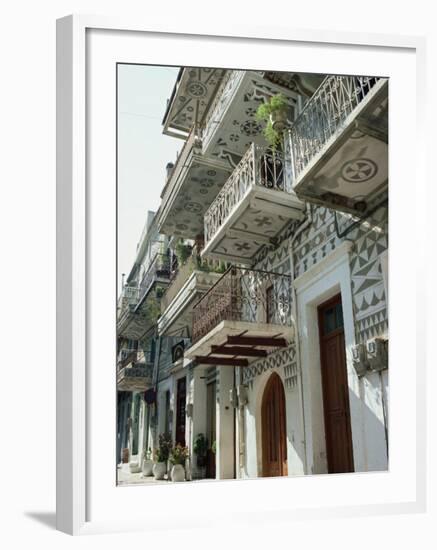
(339,145)
(191,187)
(188,284)
(230,125)
(246,314)
(192,94)
(135,377)
(139,306)
(255,204)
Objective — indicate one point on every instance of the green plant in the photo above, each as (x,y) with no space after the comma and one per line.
(164,449)
(183,252)
(179,454)
(265,113)
(200,445)
(214,447)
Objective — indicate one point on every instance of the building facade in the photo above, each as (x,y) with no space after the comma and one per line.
(256,314)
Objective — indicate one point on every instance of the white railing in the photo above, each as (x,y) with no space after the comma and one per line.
(259,166)
(325,113)
(129,296)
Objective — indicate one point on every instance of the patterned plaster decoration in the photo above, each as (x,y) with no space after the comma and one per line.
(283,359)
(251,128)
(193,207)
(196,88)
(358,170)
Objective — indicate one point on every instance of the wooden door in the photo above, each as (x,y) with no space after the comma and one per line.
(274,440)
(335,387)
(181,399)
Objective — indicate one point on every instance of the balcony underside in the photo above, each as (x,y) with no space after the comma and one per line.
(134,378)
(196,186)
(350,173)
(134,325)
(239,343)
(259,217)
(191,98)
(233,126)
(178,315)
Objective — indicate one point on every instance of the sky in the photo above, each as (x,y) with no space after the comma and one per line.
(143,151)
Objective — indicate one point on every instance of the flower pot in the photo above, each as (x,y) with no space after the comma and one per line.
(178,473)
(134,467)
(159,469)
(279,119)
(147,468)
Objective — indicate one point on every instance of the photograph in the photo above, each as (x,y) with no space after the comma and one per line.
(252,274)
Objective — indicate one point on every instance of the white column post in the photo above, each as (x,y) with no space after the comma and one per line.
(225,425)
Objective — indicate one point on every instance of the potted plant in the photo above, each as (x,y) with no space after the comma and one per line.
(274,114)
(200,448)
(183,252)
(147,465)
(162,454)
(178,456)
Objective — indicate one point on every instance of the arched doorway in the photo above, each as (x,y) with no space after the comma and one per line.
(274,439)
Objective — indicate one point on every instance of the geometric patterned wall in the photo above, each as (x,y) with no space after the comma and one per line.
(281,359)
(370,240)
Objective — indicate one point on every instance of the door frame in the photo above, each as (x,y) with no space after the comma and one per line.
(329,277)
(283,418)
(320,308)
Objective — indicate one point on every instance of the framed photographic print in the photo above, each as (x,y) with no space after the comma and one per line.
(233,319)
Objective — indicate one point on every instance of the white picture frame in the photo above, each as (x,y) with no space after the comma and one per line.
(76,203)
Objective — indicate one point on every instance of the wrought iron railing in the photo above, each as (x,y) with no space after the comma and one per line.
(138,370)
(158,270)
(127,300)
(244,295)
(324,114)
(181,274)
(194,139)
(259,166)
(221,101)
(126,355)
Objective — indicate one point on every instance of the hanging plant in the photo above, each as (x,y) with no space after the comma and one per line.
(274,114)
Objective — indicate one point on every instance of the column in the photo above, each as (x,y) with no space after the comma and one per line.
(225,454)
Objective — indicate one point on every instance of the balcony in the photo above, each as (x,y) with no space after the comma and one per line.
(230,125)
(190,282)
(135,377)
(191,187)
(126,356)
(139,306)
(339,145)
(255,204)
(242,318)
(191,97)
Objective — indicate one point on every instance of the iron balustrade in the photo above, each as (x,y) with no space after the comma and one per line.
(127,355)
(138,370)
(193,141)
(247,295)
(324,114)
(260,166)
(159,269)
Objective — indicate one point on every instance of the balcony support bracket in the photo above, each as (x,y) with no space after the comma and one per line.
(224,361)
(257,341)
